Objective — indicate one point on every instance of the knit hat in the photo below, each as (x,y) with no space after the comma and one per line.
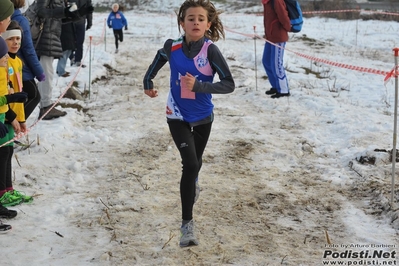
(3,48)
(6,9)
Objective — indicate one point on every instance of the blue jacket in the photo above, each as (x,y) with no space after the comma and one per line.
(32,67)
(116,20)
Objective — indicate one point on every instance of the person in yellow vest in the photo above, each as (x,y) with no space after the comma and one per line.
(6,10)
(14,120)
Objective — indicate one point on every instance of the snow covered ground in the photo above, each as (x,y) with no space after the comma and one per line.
(284,181)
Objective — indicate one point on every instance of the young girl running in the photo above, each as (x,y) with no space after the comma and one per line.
(116,21)
(194,60)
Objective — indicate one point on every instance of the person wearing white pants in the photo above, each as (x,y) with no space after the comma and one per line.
(48,46)
(46,90)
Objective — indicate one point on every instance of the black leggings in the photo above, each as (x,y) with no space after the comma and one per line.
(6,153)
(30,87)
(191,143)
(118,36)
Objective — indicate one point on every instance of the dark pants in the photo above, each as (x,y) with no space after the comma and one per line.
(30,87)
(191,143)
(80,30)
(118,34)
(6,153)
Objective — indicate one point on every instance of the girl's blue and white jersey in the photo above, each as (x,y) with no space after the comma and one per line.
(183,104)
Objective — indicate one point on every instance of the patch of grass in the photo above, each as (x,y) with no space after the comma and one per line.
(311,42)
(309,71)
(74,106)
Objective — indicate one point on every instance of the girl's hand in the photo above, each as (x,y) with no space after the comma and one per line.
(23,127)
(17,128)
(151,93)
(188,81)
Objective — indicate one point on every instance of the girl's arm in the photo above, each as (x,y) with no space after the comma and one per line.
(161,58)
(124,21)
(219,65)
(109,20)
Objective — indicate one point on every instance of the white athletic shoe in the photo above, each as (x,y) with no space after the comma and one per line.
(187,235)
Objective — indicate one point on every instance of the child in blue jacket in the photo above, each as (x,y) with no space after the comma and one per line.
(116,20)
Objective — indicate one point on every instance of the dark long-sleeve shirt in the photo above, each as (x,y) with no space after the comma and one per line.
(215,57)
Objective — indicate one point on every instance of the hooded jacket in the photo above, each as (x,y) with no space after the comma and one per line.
(276,21)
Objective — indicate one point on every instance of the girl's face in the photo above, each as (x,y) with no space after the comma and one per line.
(195,23)
(3,60)
(115,8)
(4,24)
(13,43)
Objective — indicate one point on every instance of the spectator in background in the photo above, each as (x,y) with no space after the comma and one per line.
(6,10)
(277,25)
(27,4)
(55,12)
(81,27)
(68,43)
(116,20)
(15,119)
(31,66)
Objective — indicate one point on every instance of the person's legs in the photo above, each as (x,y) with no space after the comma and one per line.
(185,143)
(62,62)
(30,87)
(80,38)
(116,38)
(46,90)
(267,60)
(121,35)
(46,87)
(9,167)
(72,58)
(4,154)
(201,136)
(278,68)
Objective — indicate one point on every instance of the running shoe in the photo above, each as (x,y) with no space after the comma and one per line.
(4,228)
(187,235)
(6,213)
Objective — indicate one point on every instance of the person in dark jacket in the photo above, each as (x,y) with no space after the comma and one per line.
(31,66)
(277,25)
(116,20)
(81,27)
(54,12)
(68,43)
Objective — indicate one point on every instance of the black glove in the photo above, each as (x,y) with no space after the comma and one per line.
(88,26)
(110,27)
(84,10)
(126,27)
(3,130)
(18,97)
